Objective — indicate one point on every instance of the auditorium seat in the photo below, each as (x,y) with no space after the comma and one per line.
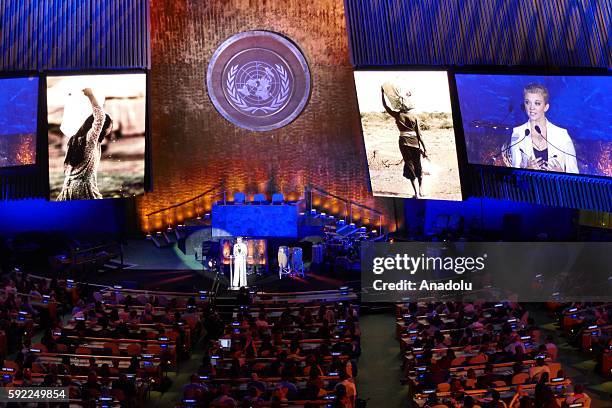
(40,347)
(154,349)
(112,347)
(259,199)
(11,365)
(458,361)
(134,349)
(554,369)
(172,336)
(479,359)
(444,387)
(239,198)
(520,378)
(117,394)
(278,198)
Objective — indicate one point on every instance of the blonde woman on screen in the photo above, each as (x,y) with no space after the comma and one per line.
(538,144)
(83,155)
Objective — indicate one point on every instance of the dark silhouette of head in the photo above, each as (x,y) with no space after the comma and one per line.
(76,145)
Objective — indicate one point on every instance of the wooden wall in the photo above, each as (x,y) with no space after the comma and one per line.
(194,148)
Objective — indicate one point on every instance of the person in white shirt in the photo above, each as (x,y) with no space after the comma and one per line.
(537,370)
(538,144)
(240,258)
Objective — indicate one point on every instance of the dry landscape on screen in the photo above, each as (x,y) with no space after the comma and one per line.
(440,172)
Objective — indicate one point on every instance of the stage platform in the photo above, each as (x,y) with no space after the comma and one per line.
(171,270)
(196,280)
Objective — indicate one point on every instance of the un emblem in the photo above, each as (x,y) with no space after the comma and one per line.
(258,80)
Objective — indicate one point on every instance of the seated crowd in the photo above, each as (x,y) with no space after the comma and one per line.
(117,345)
(490,355)
(299,354)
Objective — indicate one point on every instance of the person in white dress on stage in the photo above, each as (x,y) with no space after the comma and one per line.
(240,258)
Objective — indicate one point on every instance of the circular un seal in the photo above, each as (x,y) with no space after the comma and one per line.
(258,80)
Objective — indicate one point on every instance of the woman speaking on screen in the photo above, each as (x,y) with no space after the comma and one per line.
(83,155)
(538,144)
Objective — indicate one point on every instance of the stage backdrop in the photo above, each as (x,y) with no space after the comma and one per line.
(195,148)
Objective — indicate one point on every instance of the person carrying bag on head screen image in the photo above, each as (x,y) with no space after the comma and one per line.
(410,141)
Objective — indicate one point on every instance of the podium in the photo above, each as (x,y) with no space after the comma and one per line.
(231,277)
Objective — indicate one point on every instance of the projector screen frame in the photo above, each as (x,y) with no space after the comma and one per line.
(30,168)
(517,71)
(460,147)
(44,125)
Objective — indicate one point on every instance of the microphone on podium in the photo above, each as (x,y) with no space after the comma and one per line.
(537,129)
(513,142)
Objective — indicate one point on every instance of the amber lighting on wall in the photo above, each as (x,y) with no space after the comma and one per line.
(596,219)
(25,151)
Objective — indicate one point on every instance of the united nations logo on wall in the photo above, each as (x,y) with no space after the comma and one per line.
(258,80)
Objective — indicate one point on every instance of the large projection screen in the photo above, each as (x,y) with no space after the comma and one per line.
(18,121)
(555,123)
(418,106)
(96,154)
